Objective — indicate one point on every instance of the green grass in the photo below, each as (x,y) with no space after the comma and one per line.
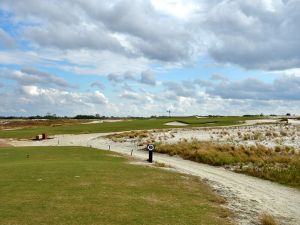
(138,124)
(75,186)
(280,165)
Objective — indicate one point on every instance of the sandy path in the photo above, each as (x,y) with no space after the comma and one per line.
(247,196)
(294,122)
(3,143)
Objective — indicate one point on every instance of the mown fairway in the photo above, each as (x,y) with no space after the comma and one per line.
(75,185)
(137,124)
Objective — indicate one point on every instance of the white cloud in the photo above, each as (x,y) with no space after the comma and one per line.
(126,39)
(176,8)
(37,100)
(148,77)
(31,90)
(131,95)
(99,98)
(31,76)
(254,35)
(19,57)
(102,63)
(161,32)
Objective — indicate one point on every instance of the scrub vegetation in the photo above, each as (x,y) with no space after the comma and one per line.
(124,136)
(75,185)
(267,219)
(279,164)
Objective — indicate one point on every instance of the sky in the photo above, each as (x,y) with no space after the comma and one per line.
(144,57)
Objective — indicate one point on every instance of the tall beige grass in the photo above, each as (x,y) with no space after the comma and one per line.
(267,219)
(280,164)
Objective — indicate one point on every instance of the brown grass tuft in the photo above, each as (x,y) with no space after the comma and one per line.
(267,219)
(158,164)
(129,135)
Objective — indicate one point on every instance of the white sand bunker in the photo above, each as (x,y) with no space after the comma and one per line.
(294,121)
(93,122)
(103,121)
(176,123)
(253,122)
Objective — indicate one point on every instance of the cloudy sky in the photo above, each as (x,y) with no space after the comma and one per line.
(144,57)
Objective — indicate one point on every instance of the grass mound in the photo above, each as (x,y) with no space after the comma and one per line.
(280,164)
(75,185)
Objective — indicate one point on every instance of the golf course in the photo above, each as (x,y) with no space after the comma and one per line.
(126,125)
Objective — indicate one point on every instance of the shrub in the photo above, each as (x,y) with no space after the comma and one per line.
(267,219)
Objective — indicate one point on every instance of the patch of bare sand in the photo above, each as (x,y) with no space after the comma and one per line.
(294,122)
(103,121)
(3,143)
(252,122)
(112,121)
(176,123)
(93,122)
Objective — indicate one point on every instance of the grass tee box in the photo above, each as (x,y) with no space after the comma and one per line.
(75,185)
(137,124)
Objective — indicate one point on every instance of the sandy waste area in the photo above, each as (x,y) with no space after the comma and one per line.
(269,135)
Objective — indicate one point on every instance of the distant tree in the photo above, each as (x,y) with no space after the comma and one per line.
(84,117)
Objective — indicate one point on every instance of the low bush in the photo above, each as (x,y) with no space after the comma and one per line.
(267,219)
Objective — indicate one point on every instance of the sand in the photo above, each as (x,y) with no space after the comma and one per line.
(269,135)
(294,122)
(252,122)
(94,122)
(3,143)
(176,123)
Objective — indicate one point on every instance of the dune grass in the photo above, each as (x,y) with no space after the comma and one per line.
(267,219)
(137,124)
(281,165)
(75,186)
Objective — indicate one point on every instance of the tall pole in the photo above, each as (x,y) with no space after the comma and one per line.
(169,111)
